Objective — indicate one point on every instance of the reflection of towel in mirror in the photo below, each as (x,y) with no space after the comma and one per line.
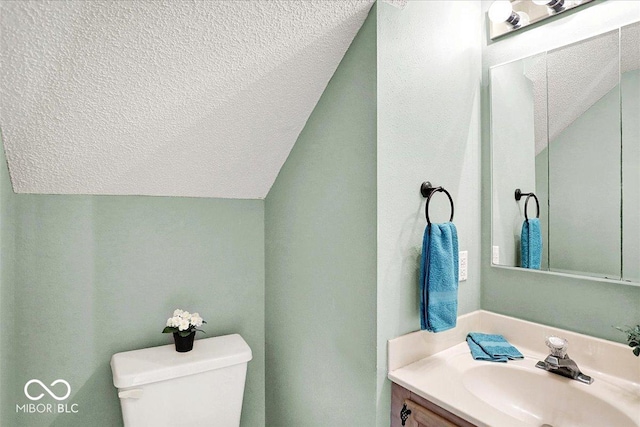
(531,244)
(439,278)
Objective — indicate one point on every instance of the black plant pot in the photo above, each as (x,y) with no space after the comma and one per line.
(184,344)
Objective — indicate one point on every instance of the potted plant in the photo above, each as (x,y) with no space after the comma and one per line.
(184,326)
(633,337)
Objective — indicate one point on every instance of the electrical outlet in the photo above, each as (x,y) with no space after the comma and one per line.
(462,265)
(495,259)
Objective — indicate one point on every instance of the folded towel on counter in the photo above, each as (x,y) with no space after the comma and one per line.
(531,244)
(490,347)
(439,278)
(479,354)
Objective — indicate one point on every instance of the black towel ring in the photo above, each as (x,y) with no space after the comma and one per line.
(519,195)
(428,191)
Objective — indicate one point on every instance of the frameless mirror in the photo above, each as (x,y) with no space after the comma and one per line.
(565,133)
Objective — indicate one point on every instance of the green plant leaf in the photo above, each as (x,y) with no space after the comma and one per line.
(636,351)
(200,330)
(633,343)
(169,330)
(185,333)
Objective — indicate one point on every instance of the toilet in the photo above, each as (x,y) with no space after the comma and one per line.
(160,387)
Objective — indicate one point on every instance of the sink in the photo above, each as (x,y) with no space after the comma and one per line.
(540,398)
(440,369)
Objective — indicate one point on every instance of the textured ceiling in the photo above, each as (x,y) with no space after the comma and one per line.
(579,75)
(174,98)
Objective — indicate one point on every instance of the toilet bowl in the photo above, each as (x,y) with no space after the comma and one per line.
(160,387)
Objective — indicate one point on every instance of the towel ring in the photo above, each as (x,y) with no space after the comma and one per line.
(428,191)
(519,195)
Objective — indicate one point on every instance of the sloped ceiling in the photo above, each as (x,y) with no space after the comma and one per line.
(172,98)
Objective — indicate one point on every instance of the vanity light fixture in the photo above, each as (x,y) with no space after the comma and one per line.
(506,16)
(556,5)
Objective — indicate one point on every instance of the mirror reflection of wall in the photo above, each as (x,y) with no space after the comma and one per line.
(630,101)
(584,157)
(564,124)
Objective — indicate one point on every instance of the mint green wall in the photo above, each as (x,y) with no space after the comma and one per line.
(320,219)
(584,305)
(97,275)
(428,130)
(7,261)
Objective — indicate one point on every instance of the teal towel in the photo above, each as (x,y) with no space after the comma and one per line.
(479,354)
(531,244)
(439,278)
(491,347)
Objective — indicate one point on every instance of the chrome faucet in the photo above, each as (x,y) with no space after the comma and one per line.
(559,362)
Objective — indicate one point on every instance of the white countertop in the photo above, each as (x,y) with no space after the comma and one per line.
(437,367)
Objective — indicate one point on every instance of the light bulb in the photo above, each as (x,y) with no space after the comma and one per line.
(500,11)
(556,5)
(524,19)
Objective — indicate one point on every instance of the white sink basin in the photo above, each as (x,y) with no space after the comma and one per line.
(540,398)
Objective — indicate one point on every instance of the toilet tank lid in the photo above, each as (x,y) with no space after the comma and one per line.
(149,365)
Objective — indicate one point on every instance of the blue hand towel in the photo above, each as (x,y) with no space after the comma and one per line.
(439,278)
(531,244)
(479,354)
(494,347)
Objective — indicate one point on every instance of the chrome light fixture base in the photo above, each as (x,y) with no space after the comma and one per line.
(507,16)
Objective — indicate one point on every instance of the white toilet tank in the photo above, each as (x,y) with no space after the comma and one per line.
(160,387)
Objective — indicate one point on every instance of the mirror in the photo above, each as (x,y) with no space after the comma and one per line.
(565,131)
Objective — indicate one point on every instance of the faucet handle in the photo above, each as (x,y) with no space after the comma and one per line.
(557,346)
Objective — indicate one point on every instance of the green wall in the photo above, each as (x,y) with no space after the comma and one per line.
(579,304)
(320,237)
(428,130)
(84,277)
(7,286)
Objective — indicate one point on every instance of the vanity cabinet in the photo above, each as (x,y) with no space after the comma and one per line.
(423,412)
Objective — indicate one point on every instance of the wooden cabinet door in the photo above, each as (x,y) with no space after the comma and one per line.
(423,412)
(422,417)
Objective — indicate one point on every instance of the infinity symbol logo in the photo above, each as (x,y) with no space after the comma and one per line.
(52,394)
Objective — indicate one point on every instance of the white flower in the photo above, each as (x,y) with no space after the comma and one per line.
(184,321)
(184,325)
(196,320)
